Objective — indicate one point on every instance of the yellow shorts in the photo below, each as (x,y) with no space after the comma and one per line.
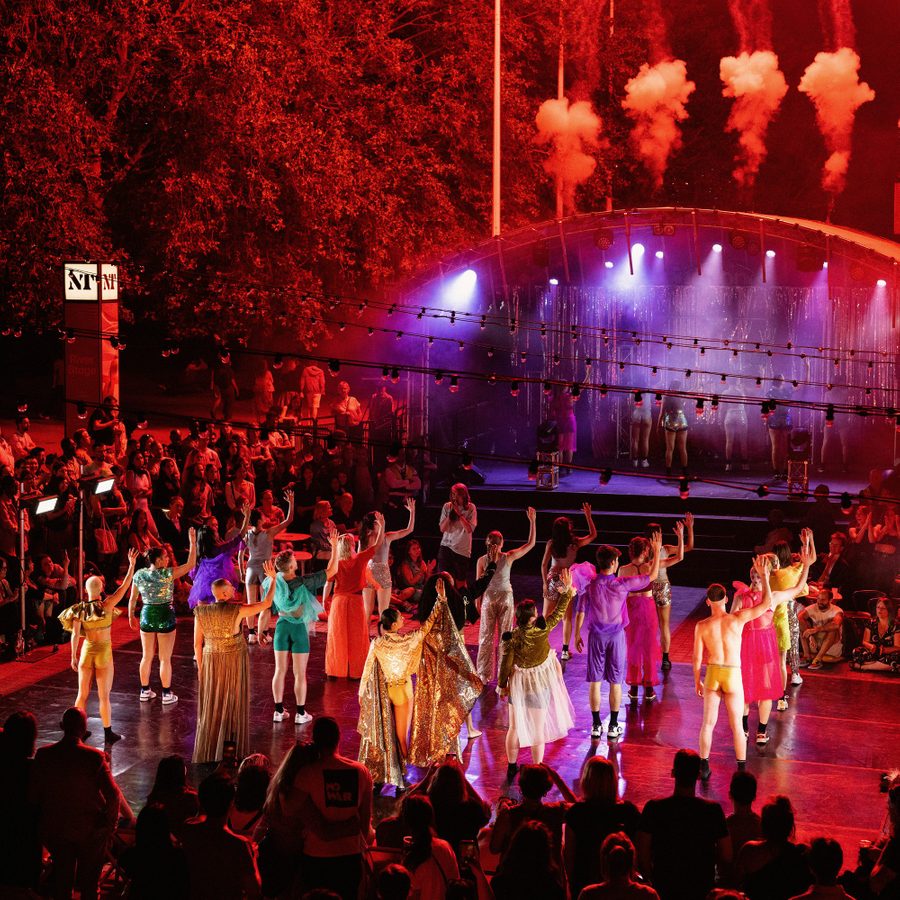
(724,679)
(96,654)
(401,694)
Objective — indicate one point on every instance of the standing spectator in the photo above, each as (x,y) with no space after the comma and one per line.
(173,529)
(592,819)
(140,485)
(21,442)
(821,517)
(347,411)
(263,393)
(20,844)
(341,789)
(9,526)
(167,484)
(312,387)
(458,520)
(9,614)
(885,877)
(743,824)
(171,792)
(104,423)
(220,862)
(381,423)
(223,386)
(529,871)
(77,805)
(7,458)
(774,868)
(535,782)
(682,838)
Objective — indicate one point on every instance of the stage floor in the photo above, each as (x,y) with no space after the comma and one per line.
(827,751)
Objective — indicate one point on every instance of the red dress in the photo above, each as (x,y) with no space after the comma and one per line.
(348,631)
(760,660)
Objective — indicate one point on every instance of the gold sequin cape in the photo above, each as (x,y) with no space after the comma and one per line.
(446,690)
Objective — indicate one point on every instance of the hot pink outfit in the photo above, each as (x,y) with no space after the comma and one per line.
(760,661)
(642,641)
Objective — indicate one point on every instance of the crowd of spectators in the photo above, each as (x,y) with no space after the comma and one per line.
(306,828)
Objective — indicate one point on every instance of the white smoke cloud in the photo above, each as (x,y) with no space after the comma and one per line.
(758,87)
(832,82)
(570,129)
(655,98)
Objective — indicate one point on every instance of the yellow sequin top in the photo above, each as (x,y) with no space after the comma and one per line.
(398,655)
(529,646)
(92,614)
(784,580)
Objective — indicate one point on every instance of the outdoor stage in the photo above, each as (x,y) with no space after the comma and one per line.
(827,751)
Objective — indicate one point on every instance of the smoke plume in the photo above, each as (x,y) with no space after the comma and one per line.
(655,98)
(753,22)
(838,28)
(832,83)
(758,87)
(570,129)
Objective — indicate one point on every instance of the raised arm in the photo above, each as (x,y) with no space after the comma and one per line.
(403,532)
(592,530)
(545,563)
(566,595)
(181,571)
(242,528)
(115,598)
(532,536)
(689,524)
(807,558)
(769,602)
(332,567)
(676,557)
(655,547)
(479,586)
(132,600)
(282,526)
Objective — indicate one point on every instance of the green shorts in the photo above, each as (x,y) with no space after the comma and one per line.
(158,618)
(291,636)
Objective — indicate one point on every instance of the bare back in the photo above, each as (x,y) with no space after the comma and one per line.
(721,638)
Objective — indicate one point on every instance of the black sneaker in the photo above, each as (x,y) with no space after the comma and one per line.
(705,770)
(666,665)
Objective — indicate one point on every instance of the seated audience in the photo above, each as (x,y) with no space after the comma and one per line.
(20,843)
(171,792)
(616,859)
(879,649)
(155,866)
(824,859)
(429,859)
(821,628)
(743,824)
(529,870)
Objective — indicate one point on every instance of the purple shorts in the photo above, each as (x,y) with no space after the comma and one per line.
(607,657)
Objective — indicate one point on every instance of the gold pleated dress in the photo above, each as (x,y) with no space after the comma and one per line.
(223,704)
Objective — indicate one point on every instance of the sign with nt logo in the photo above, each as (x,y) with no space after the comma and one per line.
(81,281)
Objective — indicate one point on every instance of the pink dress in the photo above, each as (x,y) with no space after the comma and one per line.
(642,641)
(760,661)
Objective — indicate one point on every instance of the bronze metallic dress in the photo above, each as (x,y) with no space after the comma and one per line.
(446,690)
(223,698)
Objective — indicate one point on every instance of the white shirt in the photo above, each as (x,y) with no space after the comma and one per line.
(500,583)
(22,444)
(457,537)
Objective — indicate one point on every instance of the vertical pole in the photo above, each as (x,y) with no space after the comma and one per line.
(22,587)
(80,566)
(560,94)
(495,225)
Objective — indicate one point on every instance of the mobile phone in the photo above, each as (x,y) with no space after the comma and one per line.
(468,851)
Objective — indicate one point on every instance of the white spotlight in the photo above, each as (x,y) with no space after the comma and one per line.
(460,289)
(660,254)
(825,264)
(608,264)
(554,281)
(770,254)
(717,248)
(638,250)
(881,282)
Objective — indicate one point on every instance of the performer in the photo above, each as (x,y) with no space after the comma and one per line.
(661,587)
(880,646)
(458,520)
(641,423)
(719,638)
(735,423)
(562,410)
(260,542)
(216,560)
(154,586)
(223,666)
(778,425)
(496,606)
(540,709)
(348,628)
(92,618)
(785,575)
(603,595)
(559,554)
(296,606)
(760,660)
(642,632)
(674,424)
(378,564)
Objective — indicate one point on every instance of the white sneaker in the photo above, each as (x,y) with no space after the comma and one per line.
(781,705)
(614,731)
(169,698)
(796,678)
(635,462)
(147,695)
(596,731)
(565,655)
(645,463)
(761,738)
(279,716)
(302,718)
(251,638)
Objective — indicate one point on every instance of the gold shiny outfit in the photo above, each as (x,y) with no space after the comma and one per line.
(446,690)
(529,646)
(96,651)
(724,679)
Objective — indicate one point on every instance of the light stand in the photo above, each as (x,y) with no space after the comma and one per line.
(42,506)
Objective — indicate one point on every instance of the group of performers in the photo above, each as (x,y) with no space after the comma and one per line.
(623,613)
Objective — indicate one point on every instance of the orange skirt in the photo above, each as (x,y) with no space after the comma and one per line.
(347,644)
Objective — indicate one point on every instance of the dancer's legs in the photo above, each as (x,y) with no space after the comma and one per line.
(734,704)
(281,664)
(104,688)
(663,614)
(85,679)
(166,646)
(148,651)
(670,447)
(299,661)
(681,445)
(710,717)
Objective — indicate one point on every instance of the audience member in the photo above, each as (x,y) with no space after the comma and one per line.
(20,843)
(617,866)
(156,866)
(743,824)
(529,871)
(824,859)
(171,792)
(682,838)
(429,859)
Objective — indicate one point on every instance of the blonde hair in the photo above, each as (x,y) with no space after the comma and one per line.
(345,547)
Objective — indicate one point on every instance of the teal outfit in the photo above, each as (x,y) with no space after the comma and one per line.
(155,587)
(297,607)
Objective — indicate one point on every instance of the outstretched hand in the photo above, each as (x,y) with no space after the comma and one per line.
(410,504)
(531,512)
(565,578)
(679,528)
(761,565)
(269,568)
(586,509)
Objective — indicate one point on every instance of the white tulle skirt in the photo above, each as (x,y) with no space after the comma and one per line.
(539,705)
